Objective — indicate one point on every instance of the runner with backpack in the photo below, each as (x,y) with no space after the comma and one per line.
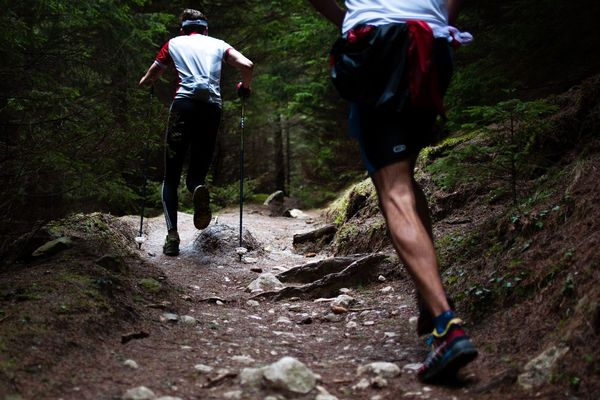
(195,114)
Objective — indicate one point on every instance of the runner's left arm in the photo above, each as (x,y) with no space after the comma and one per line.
(239,61)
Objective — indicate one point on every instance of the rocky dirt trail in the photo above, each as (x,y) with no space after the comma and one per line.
(209,345)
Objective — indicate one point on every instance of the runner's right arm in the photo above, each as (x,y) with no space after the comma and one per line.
(153,73)
(330,10)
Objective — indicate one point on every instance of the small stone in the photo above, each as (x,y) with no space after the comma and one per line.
(379,382)
(343,300)
(188,320)
(339,309)
(243,359)
(257,270)
(203,369)
(325,396)
(295,307)
(345,291)
(131,364)
(362,384)
(351,325)
(369,323)
(381,278)
(233,395)
(252,303)
(169,317)
(380,368)
(186,348)
(390,334)
(413,320)
(283,320)
(331,317)
(250,260)
(538,370)
(139,393)
(387,289)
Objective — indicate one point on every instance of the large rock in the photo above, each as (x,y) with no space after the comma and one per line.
(291,375)
(286,376)
(265,283)
(53,247)
(221,239)
(537,371)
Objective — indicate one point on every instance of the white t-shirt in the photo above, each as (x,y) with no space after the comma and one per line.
(382,12)
(198,60)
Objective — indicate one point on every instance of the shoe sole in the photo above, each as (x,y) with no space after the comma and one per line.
(202,214)
(464,353)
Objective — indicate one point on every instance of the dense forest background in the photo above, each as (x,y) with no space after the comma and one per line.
(76,131)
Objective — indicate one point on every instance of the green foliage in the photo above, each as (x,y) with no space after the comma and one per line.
(229,195)
(500,150)
(72,136)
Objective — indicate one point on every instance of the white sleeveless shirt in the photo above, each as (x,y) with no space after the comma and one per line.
(382,12)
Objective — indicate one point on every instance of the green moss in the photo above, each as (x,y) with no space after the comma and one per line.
(428,154)
(150,285)
(338,210)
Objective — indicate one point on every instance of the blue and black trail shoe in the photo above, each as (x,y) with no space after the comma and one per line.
(450,351)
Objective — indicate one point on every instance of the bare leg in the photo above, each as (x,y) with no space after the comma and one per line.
(405,209)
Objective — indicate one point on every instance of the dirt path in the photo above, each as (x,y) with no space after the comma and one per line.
(234,334)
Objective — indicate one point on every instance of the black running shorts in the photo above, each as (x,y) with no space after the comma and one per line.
(387,136)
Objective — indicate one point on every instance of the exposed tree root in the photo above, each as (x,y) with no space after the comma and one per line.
(363,270)
(312,271)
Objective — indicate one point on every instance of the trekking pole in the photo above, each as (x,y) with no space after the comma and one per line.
(242,166)
(140,239)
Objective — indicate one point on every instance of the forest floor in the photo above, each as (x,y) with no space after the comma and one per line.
(84,357)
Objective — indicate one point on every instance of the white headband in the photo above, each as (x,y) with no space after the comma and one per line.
(200,22)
